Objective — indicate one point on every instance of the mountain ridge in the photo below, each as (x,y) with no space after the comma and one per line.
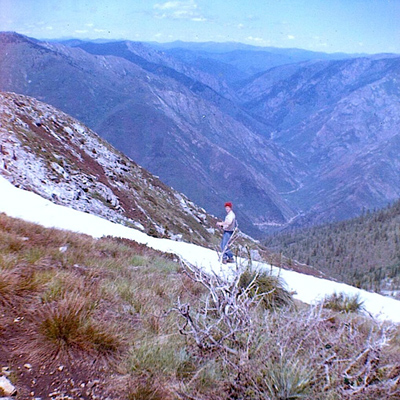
(142,114)
(352,117)
(292,151)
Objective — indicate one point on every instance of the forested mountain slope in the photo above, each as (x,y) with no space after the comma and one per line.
(363,251)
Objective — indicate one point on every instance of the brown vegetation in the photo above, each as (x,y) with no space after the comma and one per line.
(86,318)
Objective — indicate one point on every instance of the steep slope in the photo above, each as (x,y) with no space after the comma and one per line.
(341,119)
(55,156)
(160,63)
(161,123)
(363,251)
(205,85)
(204,62)
(101,301)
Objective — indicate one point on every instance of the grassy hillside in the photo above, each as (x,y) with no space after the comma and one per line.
(109,318)
(363,251)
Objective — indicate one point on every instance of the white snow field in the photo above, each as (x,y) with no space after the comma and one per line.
(28,206)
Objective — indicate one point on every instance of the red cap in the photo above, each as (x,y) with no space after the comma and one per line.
(228,204)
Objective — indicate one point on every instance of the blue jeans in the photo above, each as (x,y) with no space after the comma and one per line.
(224,245)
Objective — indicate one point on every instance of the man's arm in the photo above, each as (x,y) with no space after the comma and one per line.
(223,224)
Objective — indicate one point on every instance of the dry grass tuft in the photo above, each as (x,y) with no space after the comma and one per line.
(16,283)
(67,327)
(148,388)
(8,283)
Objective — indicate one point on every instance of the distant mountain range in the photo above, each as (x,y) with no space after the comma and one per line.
(310,137)
(341,119)
(235,62)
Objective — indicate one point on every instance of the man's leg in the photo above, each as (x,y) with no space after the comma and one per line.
(224,245)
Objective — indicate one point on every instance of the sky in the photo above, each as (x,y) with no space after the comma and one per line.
(30,207)
(350,26)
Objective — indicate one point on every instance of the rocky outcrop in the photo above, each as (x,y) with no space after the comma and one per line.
(6,387)
(59,158)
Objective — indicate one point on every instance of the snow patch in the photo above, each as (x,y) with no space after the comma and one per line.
(28,206)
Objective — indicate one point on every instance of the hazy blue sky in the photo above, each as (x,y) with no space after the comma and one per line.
(368,26)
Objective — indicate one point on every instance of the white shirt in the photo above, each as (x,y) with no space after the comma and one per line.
(229,223)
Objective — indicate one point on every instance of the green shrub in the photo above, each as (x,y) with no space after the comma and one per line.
(270,288)
(287,380)
(342,302)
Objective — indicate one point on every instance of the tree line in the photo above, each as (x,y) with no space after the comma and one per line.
(363,251)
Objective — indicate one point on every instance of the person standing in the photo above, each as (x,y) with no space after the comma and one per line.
(228,225)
